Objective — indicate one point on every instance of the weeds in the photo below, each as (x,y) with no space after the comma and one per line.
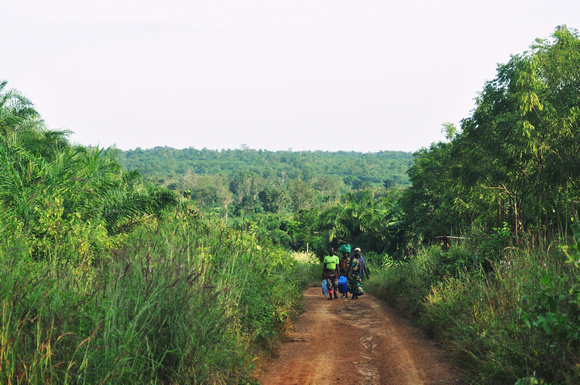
(176,302)
(516,320)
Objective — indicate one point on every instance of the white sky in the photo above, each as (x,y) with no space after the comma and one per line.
(308,75)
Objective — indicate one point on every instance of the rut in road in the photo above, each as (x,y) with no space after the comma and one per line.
(355,342)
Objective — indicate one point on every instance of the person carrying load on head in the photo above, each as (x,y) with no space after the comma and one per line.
(343,265)
(330,272)
(356,271)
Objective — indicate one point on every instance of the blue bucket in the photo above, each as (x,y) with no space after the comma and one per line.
(343,285)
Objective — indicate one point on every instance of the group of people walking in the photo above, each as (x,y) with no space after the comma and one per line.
(352,267)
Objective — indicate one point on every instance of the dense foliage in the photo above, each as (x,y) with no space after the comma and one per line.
(515,160)
(519,324)
(305,200)
(249,181)
(178,168)
(177,301)
(107,279)
(500,200)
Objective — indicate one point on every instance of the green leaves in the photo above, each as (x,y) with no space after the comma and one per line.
(64,197)
(515,159)
(16,111)
(274,200)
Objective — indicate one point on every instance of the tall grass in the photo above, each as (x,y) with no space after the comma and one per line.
(179,301)
(310,268)
(516,320)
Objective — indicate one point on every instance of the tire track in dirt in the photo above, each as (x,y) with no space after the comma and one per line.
(355,342)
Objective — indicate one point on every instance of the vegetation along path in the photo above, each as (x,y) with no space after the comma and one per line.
(355,342)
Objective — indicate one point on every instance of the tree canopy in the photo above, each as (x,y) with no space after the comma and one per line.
(515,159)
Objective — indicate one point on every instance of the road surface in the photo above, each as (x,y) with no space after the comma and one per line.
(355,342)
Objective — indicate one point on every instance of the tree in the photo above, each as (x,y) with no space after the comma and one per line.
(515,159)
(301,194)
(274,200)
(16,111)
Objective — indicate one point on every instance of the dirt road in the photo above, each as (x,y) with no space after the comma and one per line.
(355,342)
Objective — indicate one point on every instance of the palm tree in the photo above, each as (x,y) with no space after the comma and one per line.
(16,111)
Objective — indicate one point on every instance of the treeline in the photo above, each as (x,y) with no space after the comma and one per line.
(306,200)
(499,204)
(272,167)
(105,278)
(515,159)
(234,179)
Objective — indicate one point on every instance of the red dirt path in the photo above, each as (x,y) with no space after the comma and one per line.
(355,342)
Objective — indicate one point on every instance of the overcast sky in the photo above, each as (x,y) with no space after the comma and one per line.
(308,75)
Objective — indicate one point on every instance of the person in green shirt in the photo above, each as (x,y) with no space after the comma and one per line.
(330,272)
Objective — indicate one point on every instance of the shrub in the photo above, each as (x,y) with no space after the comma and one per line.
(180,300)
(518,321)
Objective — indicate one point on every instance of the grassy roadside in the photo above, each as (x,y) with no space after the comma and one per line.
(177,301)
(513,321)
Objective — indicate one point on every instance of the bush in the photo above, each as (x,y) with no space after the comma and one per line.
(181,301)
(519,318)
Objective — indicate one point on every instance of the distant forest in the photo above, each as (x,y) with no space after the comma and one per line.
(217,178)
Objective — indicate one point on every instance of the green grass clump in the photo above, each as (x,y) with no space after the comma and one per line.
(178,301)
(514,320)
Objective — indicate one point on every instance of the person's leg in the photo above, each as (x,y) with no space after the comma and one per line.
(361,290)
(335,281)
